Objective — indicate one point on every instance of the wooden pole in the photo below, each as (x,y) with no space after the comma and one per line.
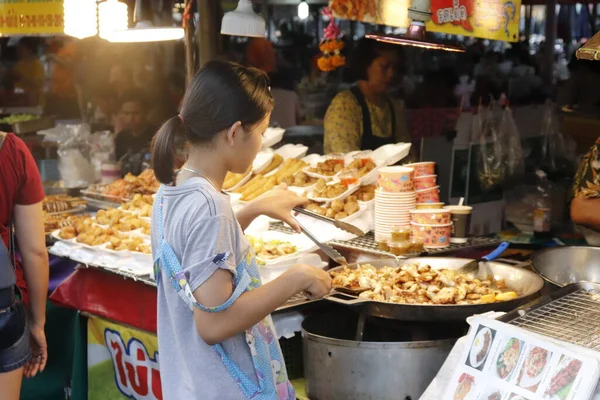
(189,29)
(208,30)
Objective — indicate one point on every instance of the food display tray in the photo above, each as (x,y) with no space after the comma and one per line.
(570,314)
(367,244)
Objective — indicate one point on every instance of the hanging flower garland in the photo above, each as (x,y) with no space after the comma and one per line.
(331,46)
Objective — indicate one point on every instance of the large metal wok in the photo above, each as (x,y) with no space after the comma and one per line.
(569,264)
(526,283)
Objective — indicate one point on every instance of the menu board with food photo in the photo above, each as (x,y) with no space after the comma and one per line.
(481,347)
(504,362)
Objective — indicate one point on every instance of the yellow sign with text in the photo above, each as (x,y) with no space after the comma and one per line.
(486,19)
(31,17)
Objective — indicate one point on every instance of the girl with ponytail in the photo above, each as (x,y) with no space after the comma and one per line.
(216,338)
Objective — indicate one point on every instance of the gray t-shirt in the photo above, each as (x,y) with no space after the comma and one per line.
(199,224)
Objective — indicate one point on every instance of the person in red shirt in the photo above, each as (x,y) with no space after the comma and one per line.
(21,196)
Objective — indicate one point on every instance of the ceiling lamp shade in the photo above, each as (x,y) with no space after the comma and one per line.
(243,21)
(80,18)
(112,16)
(144,30)
(419,13)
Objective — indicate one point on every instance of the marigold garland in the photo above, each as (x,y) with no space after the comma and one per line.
(331,47)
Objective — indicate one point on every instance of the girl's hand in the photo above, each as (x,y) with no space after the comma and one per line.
(315,283)
(39,352)
(278,204)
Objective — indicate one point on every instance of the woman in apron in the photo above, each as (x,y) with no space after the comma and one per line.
(216,339)
(364,117)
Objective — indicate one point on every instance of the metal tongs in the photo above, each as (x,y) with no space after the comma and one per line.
(338,224)
(328,250)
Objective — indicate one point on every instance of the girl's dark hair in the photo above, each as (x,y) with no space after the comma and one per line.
(365,52)
(221,94)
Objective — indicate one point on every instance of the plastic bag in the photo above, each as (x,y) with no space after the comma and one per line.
(558,151)
(491,165)
(102,146)
(511,140)
(75,167)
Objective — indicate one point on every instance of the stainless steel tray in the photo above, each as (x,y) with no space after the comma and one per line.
(571,314)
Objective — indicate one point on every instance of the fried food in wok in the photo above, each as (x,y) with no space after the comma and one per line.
(420,284)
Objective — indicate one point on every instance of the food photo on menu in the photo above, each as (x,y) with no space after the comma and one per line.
(510,352)
(465,390)
(562,381)
(492,394)
(536,362)
(480,348)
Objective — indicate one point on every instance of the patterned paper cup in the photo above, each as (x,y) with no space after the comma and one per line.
(425,182)
(429,206)
(431,195)
(433,236)
(395,179)
(431,216)
(422,168)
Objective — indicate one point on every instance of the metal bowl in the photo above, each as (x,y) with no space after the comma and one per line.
(570,264)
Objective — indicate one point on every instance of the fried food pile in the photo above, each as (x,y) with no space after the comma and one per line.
(325,191)
(328,167)
(144,183)
(300,179)
(272,249)
(337,209)
(366,193)
(420,284)
(363,166)
(61,203)
(134,244)
(54,222)
(141,204)
(232,179)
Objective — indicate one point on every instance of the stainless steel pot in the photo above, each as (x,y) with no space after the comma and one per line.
(526,283)
(569,264)
(336,367)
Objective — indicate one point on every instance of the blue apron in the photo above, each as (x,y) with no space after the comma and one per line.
(268,361)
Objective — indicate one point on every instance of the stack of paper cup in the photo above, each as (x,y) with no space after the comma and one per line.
(425,181)
(394,198)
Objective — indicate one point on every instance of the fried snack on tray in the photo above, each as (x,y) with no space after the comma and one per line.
(144,183)
(299,179)
(136,244)
(337,209)
(420,284)
(365,193)
(131,223)
(60,203)
(325,191)
(328,167)
(363,166)
(256,186)
(232,179)
(275,162)
(54,222)
(96,235)
(289,168)
(110,216)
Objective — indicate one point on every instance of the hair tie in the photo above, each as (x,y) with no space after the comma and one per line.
(182,121)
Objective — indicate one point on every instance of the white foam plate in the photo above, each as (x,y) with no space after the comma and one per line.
(313,159)
(292,151)
(55,233)
(262,161)
(272,137)
(392,153)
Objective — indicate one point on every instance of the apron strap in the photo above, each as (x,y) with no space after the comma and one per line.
(367,128)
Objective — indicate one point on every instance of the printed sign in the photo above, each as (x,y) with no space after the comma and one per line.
(31,17)
(486,19)
(122,362)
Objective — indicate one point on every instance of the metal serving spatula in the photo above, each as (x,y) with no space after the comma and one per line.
(480,268)
(328,250)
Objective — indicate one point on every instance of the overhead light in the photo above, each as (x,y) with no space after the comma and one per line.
(303,10)
(419,13)
(80,18)
(112,16)
(243,21)
(144,30)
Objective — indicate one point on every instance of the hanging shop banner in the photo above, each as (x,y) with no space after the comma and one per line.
(122,362)
(31,17)
(486,19)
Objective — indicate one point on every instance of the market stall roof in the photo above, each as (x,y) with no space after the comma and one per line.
(590,50)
